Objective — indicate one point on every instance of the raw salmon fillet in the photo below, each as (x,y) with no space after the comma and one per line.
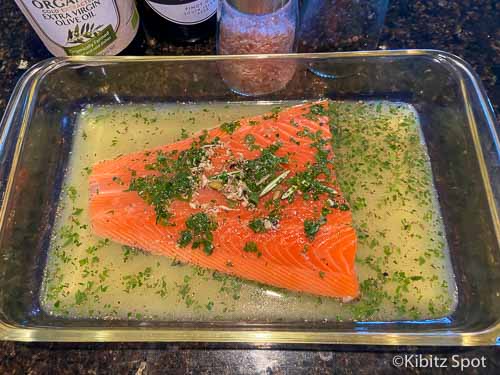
(287,257)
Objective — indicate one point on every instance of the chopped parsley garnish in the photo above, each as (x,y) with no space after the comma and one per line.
(230,127)
(184,134)
(72,193)
(250,142)
(315,179)
(273,115)
(129,252)
(80,297)
(230,285)
(198,232)
(249,180)
(184,291)
(259,170)
(257,225)
(373,296)
(263,224)
(314,111)
(69,236)
(161,285)
(136,280)
(77,211)
(251,247)
(185,238)
(178,178)
(311,226)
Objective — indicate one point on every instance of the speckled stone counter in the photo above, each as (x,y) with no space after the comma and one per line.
(467,28)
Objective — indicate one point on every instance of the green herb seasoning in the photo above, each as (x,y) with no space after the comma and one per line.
(137,280)
(264,224)
(273,115)
(250,142)
(128,253)
(257,225)
(198,232)
(314,111)
(311,226)
(178,179)
(257,172)
(230,127)
(251,247)
(184,134)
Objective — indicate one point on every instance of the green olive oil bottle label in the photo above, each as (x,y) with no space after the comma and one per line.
(82,27)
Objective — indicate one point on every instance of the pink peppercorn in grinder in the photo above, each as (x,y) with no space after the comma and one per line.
(256,27)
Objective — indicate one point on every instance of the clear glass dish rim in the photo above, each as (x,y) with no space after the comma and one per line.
(25,90)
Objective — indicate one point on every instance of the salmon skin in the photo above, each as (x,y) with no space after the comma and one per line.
(256,198)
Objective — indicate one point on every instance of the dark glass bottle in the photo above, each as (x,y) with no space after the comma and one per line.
(137,46)
(178,21)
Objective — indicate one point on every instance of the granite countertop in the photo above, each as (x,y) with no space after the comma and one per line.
(467,28)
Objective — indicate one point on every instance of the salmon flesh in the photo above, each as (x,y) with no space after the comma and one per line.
(256,198)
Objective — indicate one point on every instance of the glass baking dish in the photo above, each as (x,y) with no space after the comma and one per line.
(457,124)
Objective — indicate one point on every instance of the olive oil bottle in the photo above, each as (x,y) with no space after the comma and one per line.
(83,27)
(178,21)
